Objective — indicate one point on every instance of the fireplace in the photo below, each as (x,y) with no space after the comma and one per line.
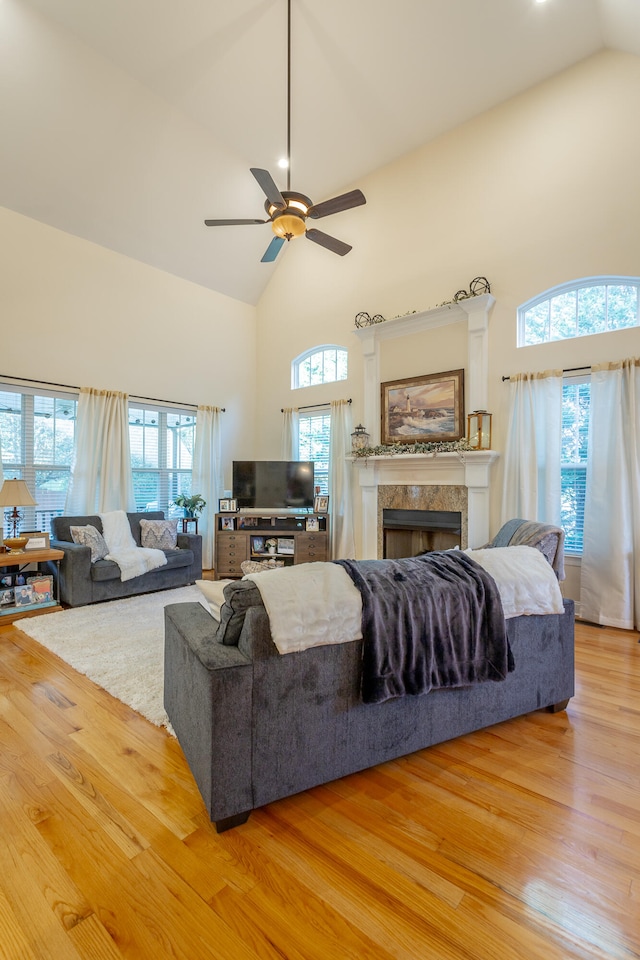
(407,533)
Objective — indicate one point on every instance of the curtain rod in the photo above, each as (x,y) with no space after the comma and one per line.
(314,406)
(566,370)
(67,386)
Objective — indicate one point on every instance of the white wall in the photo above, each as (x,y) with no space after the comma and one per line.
(75,313)
(541,190)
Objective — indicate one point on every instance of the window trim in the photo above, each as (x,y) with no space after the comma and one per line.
(606,280)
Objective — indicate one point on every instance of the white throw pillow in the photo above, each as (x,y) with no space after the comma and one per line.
(159,534)
(213,593)
(90,536)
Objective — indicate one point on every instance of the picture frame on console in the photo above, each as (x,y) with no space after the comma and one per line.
(321,504)
(425,409)
(227,523)
(38,540)
(312,525)
(228,505)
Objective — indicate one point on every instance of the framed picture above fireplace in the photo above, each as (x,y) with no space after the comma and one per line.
(427,409)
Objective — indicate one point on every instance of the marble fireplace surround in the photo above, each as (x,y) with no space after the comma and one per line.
(457,481)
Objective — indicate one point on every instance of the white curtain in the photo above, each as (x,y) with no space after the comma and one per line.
(531,484)
(290,433)
(610,577)
(340,497)
(207,476)
(101,477)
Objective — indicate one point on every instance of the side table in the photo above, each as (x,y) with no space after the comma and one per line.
(14,563)
(185,524)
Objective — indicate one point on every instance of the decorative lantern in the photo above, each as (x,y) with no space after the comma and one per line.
(479,430)
(359,438)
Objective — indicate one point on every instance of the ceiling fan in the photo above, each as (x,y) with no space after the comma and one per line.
(287,211)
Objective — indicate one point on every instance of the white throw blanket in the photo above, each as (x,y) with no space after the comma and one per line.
(310,605)
(123,550)
(525,579)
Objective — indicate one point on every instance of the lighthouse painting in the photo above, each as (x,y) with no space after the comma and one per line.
(424,409)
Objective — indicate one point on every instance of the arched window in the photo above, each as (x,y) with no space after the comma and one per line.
(324,364)
(578,309)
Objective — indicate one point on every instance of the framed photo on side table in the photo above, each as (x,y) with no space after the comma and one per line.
(37,540)
(321,504)
(428,409)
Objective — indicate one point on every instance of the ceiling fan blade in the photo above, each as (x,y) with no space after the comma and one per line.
(231,223)
(272,250)
(355,198)
(268,185)
(336,246)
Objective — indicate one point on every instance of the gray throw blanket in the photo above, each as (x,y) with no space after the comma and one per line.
(428,622)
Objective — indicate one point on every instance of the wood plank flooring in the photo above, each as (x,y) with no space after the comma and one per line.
(519,841)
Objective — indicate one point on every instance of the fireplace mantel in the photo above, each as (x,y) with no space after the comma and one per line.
(474,310)
(460,469)
(470,469)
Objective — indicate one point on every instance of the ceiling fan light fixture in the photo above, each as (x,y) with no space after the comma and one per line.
(288,225)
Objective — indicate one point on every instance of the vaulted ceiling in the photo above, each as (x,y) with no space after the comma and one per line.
(127,122)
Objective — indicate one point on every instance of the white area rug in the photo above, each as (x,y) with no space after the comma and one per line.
(118,644)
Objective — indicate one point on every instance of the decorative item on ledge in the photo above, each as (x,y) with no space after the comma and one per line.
(393,449)
(364,320)
(359,438)
(479,430)
(477,287)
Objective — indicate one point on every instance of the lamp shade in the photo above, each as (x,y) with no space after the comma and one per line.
(15,493)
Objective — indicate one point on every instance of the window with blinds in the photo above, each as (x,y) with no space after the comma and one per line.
(37,432)
(576,401)
(37,435)
(313,444)
(162,442)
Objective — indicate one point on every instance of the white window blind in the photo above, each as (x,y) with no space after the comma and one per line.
(576,401)
(313,444)
(37,431)
(162,441)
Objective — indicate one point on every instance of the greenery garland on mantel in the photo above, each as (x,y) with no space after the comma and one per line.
(393,449)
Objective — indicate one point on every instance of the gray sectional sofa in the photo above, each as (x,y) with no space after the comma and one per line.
(256,726)
(82,582)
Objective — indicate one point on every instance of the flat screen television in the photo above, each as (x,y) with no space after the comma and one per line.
(273,484)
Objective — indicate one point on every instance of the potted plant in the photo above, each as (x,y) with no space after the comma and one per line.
(271,545)
(192,506)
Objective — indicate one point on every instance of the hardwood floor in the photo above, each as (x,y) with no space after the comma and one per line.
(520,841)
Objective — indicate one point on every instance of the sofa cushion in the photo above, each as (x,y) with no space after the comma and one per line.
(90,537)
(61,526)
(108,570)
(159,534)
(239,595)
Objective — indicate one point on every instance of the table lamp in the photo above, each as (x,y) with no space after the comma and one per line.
(15,493)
